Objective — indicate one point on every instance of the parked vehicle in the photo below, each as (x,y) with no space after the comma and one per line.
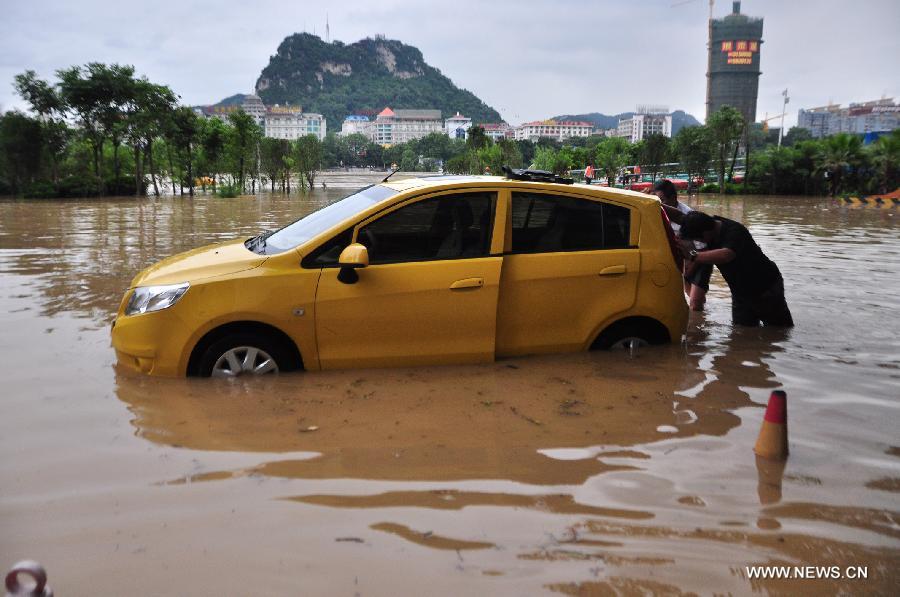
(447,269)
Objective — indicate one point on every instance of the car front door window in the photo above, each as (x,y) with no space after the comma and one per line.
(450,226)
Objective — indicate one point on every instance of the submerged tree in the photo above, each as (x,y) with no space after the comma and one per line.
(725,126)
(693,148)
(242,142)
(308,159)
(839,156)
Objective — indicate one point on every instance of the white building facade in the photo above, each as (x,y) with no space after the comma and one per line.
(357,124)
(866,117)
(498,130)
(457,127)
(640,126)
(278,122)
(399,126)
(559,130)
(290,122)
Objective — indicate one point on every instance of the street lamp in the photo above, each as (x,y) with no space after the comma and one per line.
(783,111)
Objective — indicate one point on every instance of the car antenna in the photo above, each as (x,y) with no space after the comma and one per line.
(389,175)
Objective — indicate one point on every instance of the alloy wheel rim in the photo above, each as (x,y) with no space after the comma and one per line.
(630,343)
(244,360)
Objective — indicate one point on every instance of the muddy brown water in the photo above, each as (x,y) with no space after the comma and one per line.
(593,473)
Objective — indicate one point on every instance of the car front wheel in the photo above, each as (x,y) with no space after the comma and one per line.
(243,354)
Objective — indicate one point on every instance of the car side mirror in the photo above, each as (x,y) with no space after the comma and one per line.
(352,258)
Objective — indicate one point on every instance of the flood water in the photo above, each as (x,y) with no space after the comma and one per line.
(593,473)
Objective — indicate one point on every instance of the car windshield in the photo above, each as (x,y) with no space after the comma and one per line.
(319,221)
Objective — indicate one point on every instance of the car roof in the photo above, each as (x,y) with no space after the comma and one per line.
(455,181)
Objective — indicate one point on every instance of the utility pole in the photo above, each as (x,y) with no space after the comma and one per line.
(709,24)
(783,112)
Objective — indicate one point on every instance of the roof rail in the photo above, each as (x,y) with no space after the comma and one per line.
(535,175)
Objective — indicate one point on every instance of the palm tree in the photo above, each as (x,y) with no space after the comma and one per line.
(886,159)
(840,155)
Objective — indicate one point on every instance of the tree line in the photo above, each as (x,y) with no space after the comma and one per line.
(800,166)
(101,130)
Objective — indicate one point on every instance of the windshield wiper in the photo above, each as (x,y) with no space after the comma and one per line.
(257,244)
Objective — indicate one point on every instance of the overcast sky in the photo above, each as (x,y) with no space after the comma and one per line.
(529,59)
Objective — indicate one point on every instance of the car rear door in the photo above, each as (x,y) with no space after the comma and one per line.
(572,264)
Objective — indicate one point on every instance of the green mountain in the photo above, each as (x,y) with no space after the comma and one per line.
(680,119)
(337,79)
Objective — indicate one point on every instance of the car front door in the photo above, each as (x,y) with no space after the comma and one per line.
(429,293)
(572,264)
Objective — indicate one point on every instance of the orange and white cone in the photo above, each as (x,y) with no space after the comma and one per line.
(773,436)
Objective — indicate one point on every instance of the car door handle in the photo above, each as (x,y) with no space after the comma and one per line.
(467,283)
(612,270)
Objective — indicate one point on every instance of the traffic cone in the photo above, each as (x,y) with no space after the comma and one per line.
(773,436)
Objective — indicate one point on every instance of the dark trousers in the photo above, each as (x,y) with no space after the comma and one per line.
(770,308)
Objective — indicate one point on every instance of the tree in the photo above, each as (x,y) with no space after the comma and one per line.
(308,158)
(839,156)
(476,138)
(694,150)
(20,149)
(795,135)
(85,98)
(509,153)
(185,134)
(408,160)
(725,128)
(49,107)
(436,145)
(611,156)
(655,150)
(213,137)
(242,142)
(886,160)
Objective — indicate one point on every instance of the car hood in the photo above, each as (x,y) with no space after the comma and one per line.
(206,262)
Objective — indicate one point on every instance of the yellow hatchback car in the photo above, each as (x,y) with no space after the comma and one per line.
(439,270)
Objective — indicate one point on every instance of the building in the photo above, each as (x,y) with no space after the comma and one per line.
(559,130)
(278,122)
(399,126)
(254,106)
(356,124)
(733,68)
(867,117)
(646,121)
(498,130)
(457,127)
(291,122)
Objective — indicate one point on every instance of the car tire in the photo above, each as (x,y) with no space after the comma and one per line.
(244,354)
(629,335)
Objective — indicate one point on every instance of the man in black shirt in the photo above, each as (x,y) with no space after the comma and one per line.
(757,288)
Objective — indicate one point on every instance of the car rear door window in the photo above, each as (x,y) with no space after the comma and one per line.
(451,226)
(544,223)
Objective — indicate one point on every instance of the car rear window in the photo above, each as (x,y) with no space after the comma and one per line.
(546,223)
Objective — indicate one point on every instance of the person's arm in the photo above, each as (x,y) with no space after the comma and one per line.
(714,256)
(674,214)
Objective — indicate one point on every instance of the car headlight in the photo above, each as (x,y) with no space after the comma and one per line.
(154,298)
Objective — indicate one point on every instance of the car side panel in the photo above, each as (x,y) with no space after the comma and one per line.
(553,302)
(409,314)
